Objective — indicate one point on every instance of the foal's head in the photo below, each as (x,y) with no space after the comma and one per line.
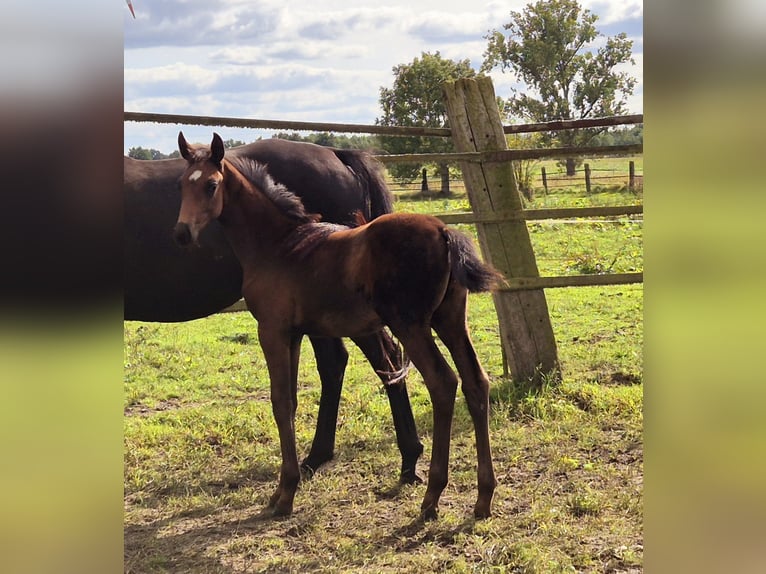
(201,188)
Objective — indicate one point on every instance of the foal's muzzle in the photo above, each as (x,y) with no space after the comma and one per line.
(182,234)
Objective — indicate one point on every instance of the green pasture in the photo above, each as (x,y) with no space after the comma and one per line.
(202,453)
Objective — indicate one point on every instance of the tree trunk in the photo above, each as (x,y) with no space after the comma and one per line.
(571,166)
(444,172)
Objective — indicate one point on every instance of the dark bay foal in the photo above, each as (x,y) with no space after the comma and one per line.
(408,272)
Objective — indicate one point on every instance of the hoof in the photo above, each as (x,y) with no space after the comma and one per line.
(409,476)
(311,464)
(281,511)
(482,511)
(429,513)
(278,506)
(307,471)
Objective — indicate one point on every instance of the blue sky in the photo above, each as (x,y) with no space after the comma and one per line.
(308,61)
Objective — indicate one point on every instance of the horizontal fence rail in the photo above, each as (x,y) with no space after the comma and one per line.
(574,124)
(527,283)
(537,214)
(511,154)
(283,125)
(220,121)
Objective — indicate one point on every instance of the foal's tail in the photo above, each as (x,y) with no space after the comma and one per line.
(370,176)
(466,266)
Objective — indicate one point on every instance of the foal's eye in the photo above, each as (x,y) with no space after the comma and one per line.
(211,187)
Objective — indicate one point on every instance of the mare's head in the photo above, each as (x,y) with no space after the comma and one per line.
(201,188)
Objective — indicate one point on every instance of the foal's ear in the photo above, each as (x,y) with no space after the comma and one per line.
(216,149)
(183,147)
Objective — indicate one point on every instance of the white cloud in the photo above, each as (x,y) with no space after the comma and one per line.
(613,11)
(284,59)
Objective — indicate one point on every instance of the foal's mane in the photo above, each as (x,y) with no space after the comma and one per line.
(257,174)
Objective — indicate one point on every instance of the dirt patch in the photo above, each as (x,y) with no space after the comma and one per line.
(626,379)
(142,410)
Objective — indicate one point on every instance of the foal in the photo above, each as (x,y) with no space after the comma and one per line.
(301,277)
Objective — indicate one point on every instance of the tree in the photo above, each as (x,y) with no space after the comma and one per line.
(342,141)
(523,168)
(551,47)
(416,100)
(143,153)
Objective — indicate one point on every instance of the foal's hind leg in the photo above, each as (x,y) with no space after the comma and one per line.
(331,357)
(449,322)
(385,357)
(441,382)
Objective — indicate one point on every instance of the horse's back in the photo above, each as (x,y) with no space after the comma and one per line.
(316,173)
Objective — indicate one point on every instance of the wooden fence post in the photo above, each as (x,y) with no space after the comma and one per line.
(424,182)
(631,176)
(587,178)
(525,327)
(545,180)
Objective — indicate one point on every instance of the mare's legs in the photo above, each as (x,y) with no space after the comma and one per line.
(449,322)
(384,356)
(441,382)
(331,357)
(282,352)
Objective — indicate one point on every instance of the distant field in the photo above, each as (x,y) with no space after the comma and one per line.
(202,454)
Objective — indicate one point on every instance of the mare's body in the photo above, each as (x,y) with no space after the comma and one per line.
(166,283)
(408,272)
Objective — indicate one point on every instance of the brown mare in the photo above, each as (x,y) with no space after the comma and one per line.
(301,277)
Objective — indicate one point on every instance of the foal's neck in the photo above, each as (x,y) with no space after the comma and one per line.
(254,225)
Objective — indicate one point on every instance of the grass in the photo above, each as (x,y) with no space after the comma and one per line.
(202,454)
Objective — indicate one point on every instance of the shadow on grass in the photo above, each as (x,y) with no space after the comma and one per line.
(227,540)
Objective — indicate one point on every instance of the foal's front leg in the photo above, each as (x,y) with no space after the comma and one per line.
(282,352)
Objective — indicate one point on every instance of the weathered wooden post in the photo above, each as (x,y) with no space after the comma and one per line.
(631,176)
(587,178)
(545,180)
(525,326)
(424,181)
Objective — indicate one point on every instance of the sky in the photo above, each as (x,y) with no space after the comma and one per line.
(320,61)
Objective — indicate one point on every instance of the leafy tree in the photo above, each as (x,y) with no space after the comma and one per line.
(143,153)
(290,136)
(416,99)
(523,169)
(552,47)
(341,141)
(620,136)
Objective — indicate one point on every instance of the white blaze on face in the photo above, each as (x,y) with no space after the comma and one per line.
(196,174)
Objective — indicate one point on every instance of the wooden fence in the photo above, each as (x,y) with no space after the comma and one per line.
(526,334)
(471,157)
